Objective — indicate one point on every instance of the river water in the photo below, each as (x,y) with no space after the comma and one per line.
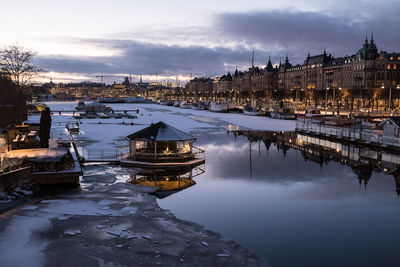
(296,200)
(296,205)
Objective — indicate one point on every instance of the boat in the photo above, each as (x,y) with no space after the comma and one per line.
(111,100)
(164,102)
(283,113)
(96,107)
(199,106)
(249,110)
(117,115)
(102,115)
(231,106)
(218,107)
(313,113)
(176,104)
(137,99)
(79,116)
(185,105)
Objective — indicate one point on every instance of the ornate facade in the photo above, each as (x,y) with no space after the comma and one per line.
(368,74)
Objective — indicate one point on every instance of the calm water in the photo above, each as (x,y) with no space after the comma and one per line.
(297,203)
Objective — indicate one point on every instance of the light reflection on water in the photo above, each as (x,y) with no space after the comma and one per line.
(297,201)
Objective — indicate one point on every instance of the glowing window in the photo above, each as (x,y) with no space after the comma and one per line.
(388,67)
(391,58)
(394,66)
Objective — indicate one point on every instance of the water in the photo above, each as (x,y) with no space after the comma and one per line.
(302,202)
(298,204)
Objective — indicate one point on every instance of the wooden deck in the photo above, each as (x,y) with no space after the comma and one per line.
(163,165)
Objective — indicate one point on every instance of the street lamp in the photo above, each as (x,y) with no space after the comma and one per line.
(326,99)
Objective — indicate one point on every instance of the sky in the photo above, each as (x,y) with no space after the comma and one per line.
(79,40)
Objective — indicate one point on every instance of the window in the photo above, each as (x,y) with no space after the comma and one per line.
(398,58)
(391,58)
(394,66)
(388,67)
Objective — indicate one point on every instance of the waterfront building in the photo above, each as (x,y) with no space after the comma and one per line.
(367,78)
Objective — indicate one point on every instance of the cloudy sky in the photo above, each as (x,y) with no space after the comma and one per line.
(79,39)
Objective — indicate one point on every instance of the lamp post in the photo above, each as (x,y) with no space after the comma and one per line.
(326,100)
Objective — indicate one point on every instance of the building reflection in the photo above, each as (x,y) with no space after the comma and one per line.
(166,183)
(363,161)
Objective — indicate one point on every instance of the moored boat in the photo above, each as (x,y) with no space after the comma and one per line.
(218,107)
(283,113)
(249,110)
(199,106)
(185,105)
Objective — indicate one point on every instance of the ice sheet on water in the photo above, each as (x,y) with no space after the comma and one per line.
(17,245)
(30,207)
(106,202)
(72,232)
(129,210)
(78,207)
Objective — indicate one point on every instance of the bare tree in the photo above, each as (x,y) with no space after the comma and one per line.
(16,61)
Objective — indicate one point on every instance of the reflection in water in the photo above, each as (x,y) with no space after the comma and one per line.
(362,160)
(303,205)
(166,182)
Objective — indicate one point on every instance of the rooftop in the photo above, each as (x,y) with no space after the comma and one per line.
(160,131)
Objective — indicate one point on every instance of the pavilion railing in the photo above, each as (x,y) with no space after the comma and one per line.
(196,153)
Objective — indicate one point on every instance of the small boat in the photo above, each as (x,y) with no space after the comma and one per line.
(79,116)
(185,105)
(231,106)
(164,102)
(313,113)
(117,115)
(199,106)
(218,107)
(176,104)
(249,110)
(103,115)
(283,113)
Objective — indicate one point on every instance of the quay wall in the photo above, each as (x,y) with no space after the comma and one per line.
(15,178)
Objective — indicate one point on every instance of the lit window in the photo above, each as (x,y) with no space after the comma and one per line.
(398,58)
(388,67)
(391,58)
(394,66)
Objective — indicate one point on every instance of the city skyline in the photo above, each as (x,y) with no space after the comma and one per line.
(81,40)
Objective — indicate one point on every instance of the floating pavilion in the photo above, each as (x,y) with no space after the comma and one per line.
(162,146)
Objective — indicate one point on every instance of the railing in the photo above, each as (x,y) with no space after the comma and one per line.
(349,132)
(103,154)
(196,153)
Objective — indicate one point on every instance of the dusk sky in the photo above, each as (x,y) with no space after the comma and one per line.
(77,40)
